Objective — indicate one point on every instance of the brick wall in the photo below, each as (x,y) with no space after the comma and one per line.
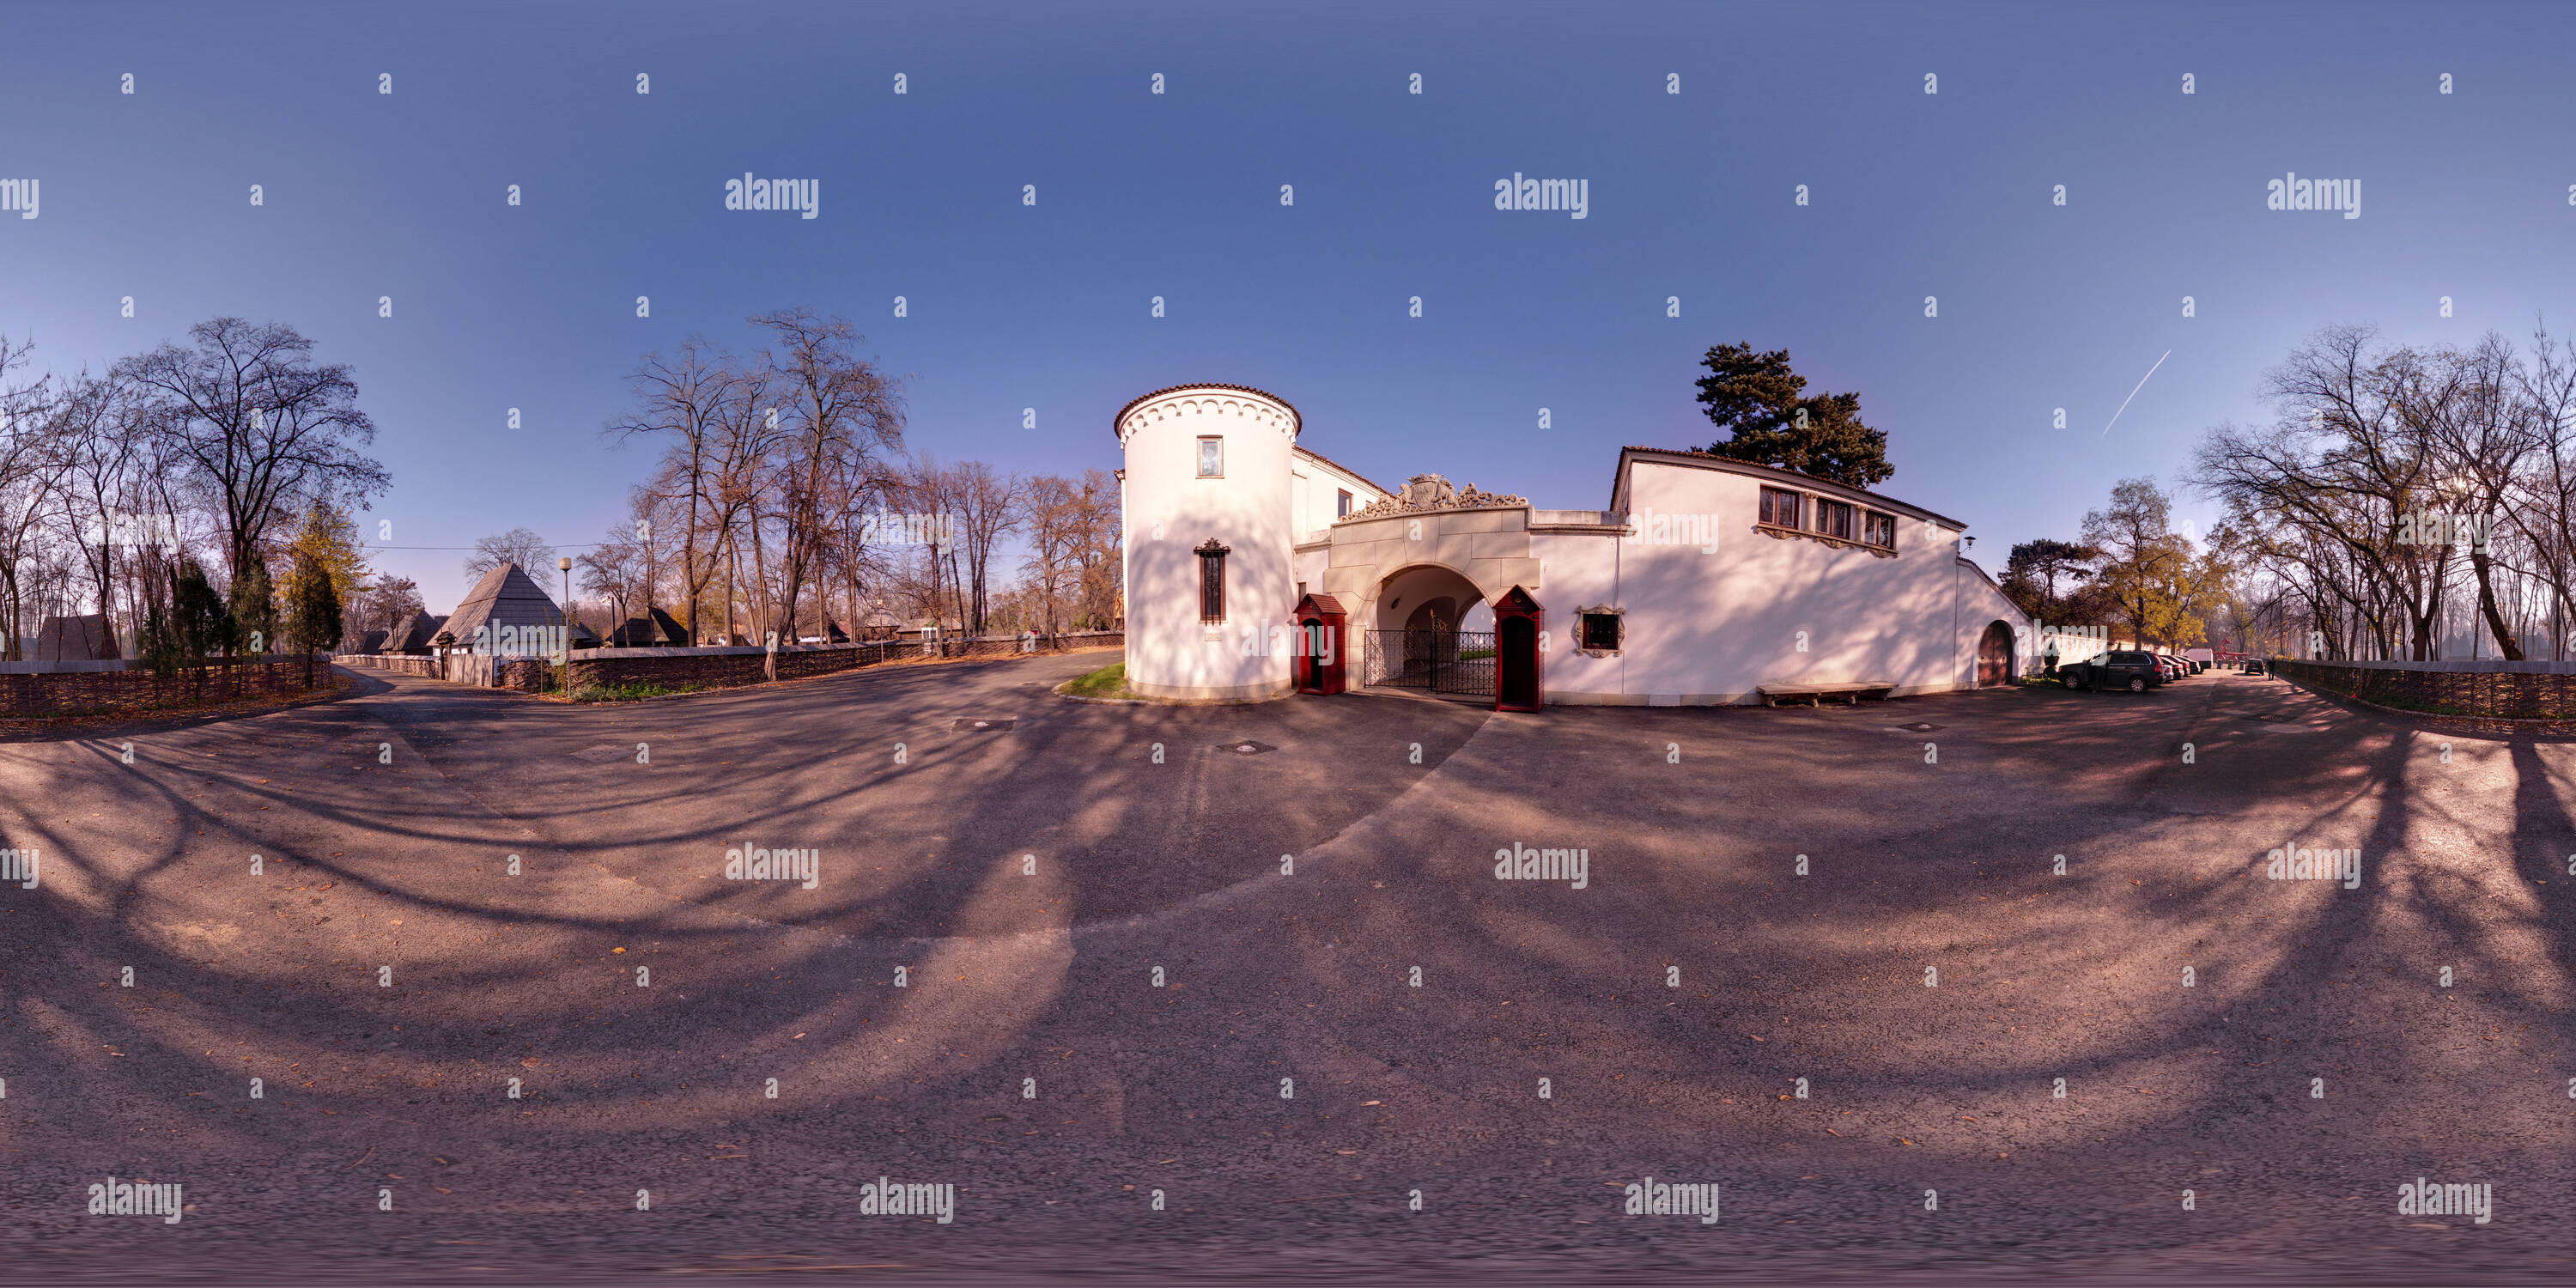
(86,692)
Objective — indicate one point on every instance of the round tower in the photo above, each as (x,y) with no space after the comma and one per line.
(1207,510)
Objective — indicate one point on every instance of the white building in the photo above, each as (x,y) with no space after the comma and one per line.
(1704,580)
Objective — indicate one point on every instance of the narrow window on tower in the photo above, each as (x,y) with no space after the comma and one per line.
(1211,458)
(1212,581)
(1342,503)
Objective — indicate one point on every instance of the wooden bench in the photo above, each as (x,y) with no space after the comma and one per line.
(1850,692)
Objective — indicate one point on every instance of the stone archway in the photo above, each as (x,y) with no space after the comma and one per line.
(1416,620)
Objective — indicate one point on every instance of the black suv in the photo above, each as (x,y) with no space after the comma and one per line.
(2136,672)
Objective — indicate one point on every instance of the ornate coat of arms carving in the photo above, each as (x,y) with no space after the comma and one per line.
(1427,492)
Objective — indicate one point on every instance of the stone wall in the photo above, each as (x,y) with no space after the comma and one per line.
(64,693)
(398,663)
(725,668)
(521,674)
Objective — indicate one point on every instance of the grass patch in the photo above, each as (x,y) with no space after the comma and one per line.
(1107,682)
(629,692)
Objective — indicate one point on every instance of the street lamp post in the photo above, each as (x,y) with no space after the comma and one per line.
(563,564)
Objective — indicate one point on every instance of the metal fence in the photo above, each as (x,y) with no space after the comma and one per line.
(1435,661)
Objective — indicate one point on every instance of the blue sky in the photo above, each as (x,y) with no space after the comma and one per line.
(1178,195)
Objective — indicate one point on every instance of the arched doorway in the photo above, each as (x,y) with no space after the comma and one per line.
(1995,656)
(1518,684)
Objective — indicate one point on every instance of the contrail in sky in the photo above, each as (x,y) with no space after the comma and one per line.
(2133,394)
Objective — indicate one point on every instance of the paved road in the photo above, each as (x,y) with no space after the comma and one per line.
(385,976)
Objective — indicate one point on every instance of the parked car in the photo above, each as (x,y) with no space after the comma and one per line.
(2254,666)
(2136,672)
(2170,665)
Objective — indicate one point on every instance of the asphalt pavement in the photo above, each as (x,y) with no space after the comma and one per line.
(1064,958)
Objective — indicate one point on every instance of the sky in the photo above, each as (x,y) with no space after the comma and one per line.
(1029,325)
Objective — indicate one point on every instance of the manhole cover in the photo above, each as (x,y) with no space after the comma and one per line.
(1247,748)
(986,724)
(604,753)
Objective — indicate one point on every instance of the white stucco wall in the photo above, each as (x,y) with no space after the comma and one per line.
(1983,603)
(1171,511)
(1711,627)
(1316,485)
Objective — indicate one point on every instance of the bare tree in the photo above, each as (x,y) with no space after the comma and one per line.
(839,414)
(388,605)
(257,425)
(521,546)
(686,398)
(100,430)
(615,571)
(988,507)
(2346,462)
(30,463)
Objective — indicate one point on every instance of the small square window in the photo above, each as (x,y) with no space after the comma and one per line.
(1600,631)
(1211,458)
(1342,503)
(1879,530)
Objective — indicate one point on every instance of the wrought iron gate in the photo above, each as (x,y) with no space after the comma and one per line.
(1437,661)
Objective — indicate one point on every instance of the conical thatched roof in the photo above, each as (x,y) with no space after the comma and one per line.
(655,630)
(506,597)
(85,638)
(415,635)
